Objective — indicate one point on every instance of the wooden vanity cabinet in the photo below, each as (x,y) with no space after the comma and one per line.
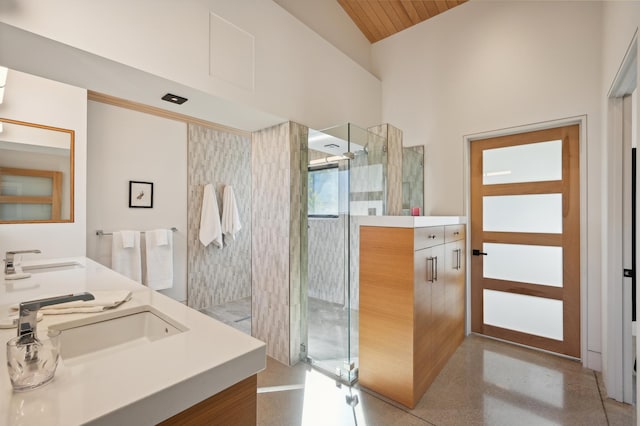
(236,405)
(455,279)
(412,301)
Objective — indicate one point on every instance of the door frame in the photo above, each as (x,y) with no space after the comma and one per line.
(613,326)
(581,120)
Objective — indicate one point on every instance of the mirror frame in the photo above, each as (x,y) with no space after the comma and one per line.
(71,134)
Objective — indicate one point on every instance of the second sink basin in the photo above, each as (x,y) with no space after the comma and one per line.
(91,338)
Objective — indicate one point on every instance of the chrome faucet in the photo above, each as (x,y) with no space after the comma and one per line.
(28,319)
(9,261)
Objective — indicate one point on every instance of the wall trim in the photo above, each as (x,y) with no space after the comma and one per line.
(147,109)
(581,120)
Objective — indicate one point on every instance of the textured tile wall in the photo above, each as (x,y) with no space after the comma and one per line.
(218,275)
(327,261)
(412,178)
(393,163)
(278,217)
(394,171)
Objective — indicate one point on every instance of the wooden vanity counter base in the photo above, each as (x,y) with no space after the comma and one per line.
(236,405)
(411,307)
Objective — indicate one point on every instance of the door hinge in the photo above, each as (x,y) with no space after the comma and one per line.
(628,273)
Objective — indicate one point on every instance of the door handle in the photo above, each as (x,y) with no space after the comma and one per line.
(477,252)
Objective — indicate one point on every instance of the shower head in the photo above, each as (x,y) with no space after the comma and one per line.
(364,151)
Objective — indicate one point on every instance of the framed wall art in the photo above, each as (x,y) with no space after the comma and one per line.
(140,194)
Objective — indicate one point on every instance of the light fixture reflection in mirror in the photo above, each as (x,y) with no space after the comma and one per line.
(36,173)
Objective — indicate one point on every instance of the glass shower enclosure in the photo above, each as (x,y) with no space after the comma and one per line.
(346,178)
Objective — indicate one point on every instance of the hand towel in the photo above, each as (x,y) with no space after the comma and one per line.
(230,218)
(104,300)
(126,261)
(161,237)
(128,239)
(210,228)
(159,260)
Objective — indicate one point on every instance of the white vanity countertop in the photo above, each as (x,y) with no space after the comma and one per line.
(141,385)
(410,221)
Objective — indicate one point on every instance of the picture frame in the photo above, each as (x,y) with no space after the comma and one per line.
(140,194)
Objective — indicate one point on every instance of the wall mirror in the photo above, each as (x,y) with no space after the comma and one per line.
(36,173)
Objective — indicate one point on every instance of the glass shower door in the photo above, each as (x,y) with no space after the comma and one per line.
(342,182)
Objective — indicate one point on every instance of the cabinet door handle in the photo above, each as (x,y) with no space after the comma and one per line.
(430,259)
(436,268)
(459,258)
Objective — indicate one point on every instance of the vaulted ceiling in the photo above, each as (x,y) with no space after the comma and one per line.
(378,19)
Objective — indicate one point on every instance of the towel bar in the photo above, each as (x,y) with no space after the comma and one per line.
(100,232)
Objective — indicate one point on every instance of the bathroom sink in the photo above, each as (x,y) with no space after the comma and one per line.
(96,337)
(52,266)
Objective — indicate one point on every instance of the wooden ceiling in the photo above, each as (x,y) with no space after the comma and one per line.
(378,19)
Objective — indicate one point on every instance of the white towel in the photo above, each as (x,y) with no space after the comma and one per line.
(159,260)
(210,228)
(161,237)
(230,218)
(128,239)
(126,261)
(103,301)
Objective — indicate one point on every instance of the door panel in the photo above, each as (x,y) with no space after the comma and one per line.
(540,213)
(525,228)
(529,314)
(531,162)
(524,263)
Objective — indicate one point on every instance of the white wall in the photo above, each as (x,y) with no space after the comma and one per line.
(128,145)
(329,19)
(298,75)
(37,100)
(490,65)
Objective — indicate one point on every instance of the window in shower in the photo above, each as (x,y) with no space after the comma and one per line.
(324,191)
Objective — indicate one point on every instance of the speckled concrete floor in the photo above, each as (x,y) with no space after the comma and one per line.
(486,382)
